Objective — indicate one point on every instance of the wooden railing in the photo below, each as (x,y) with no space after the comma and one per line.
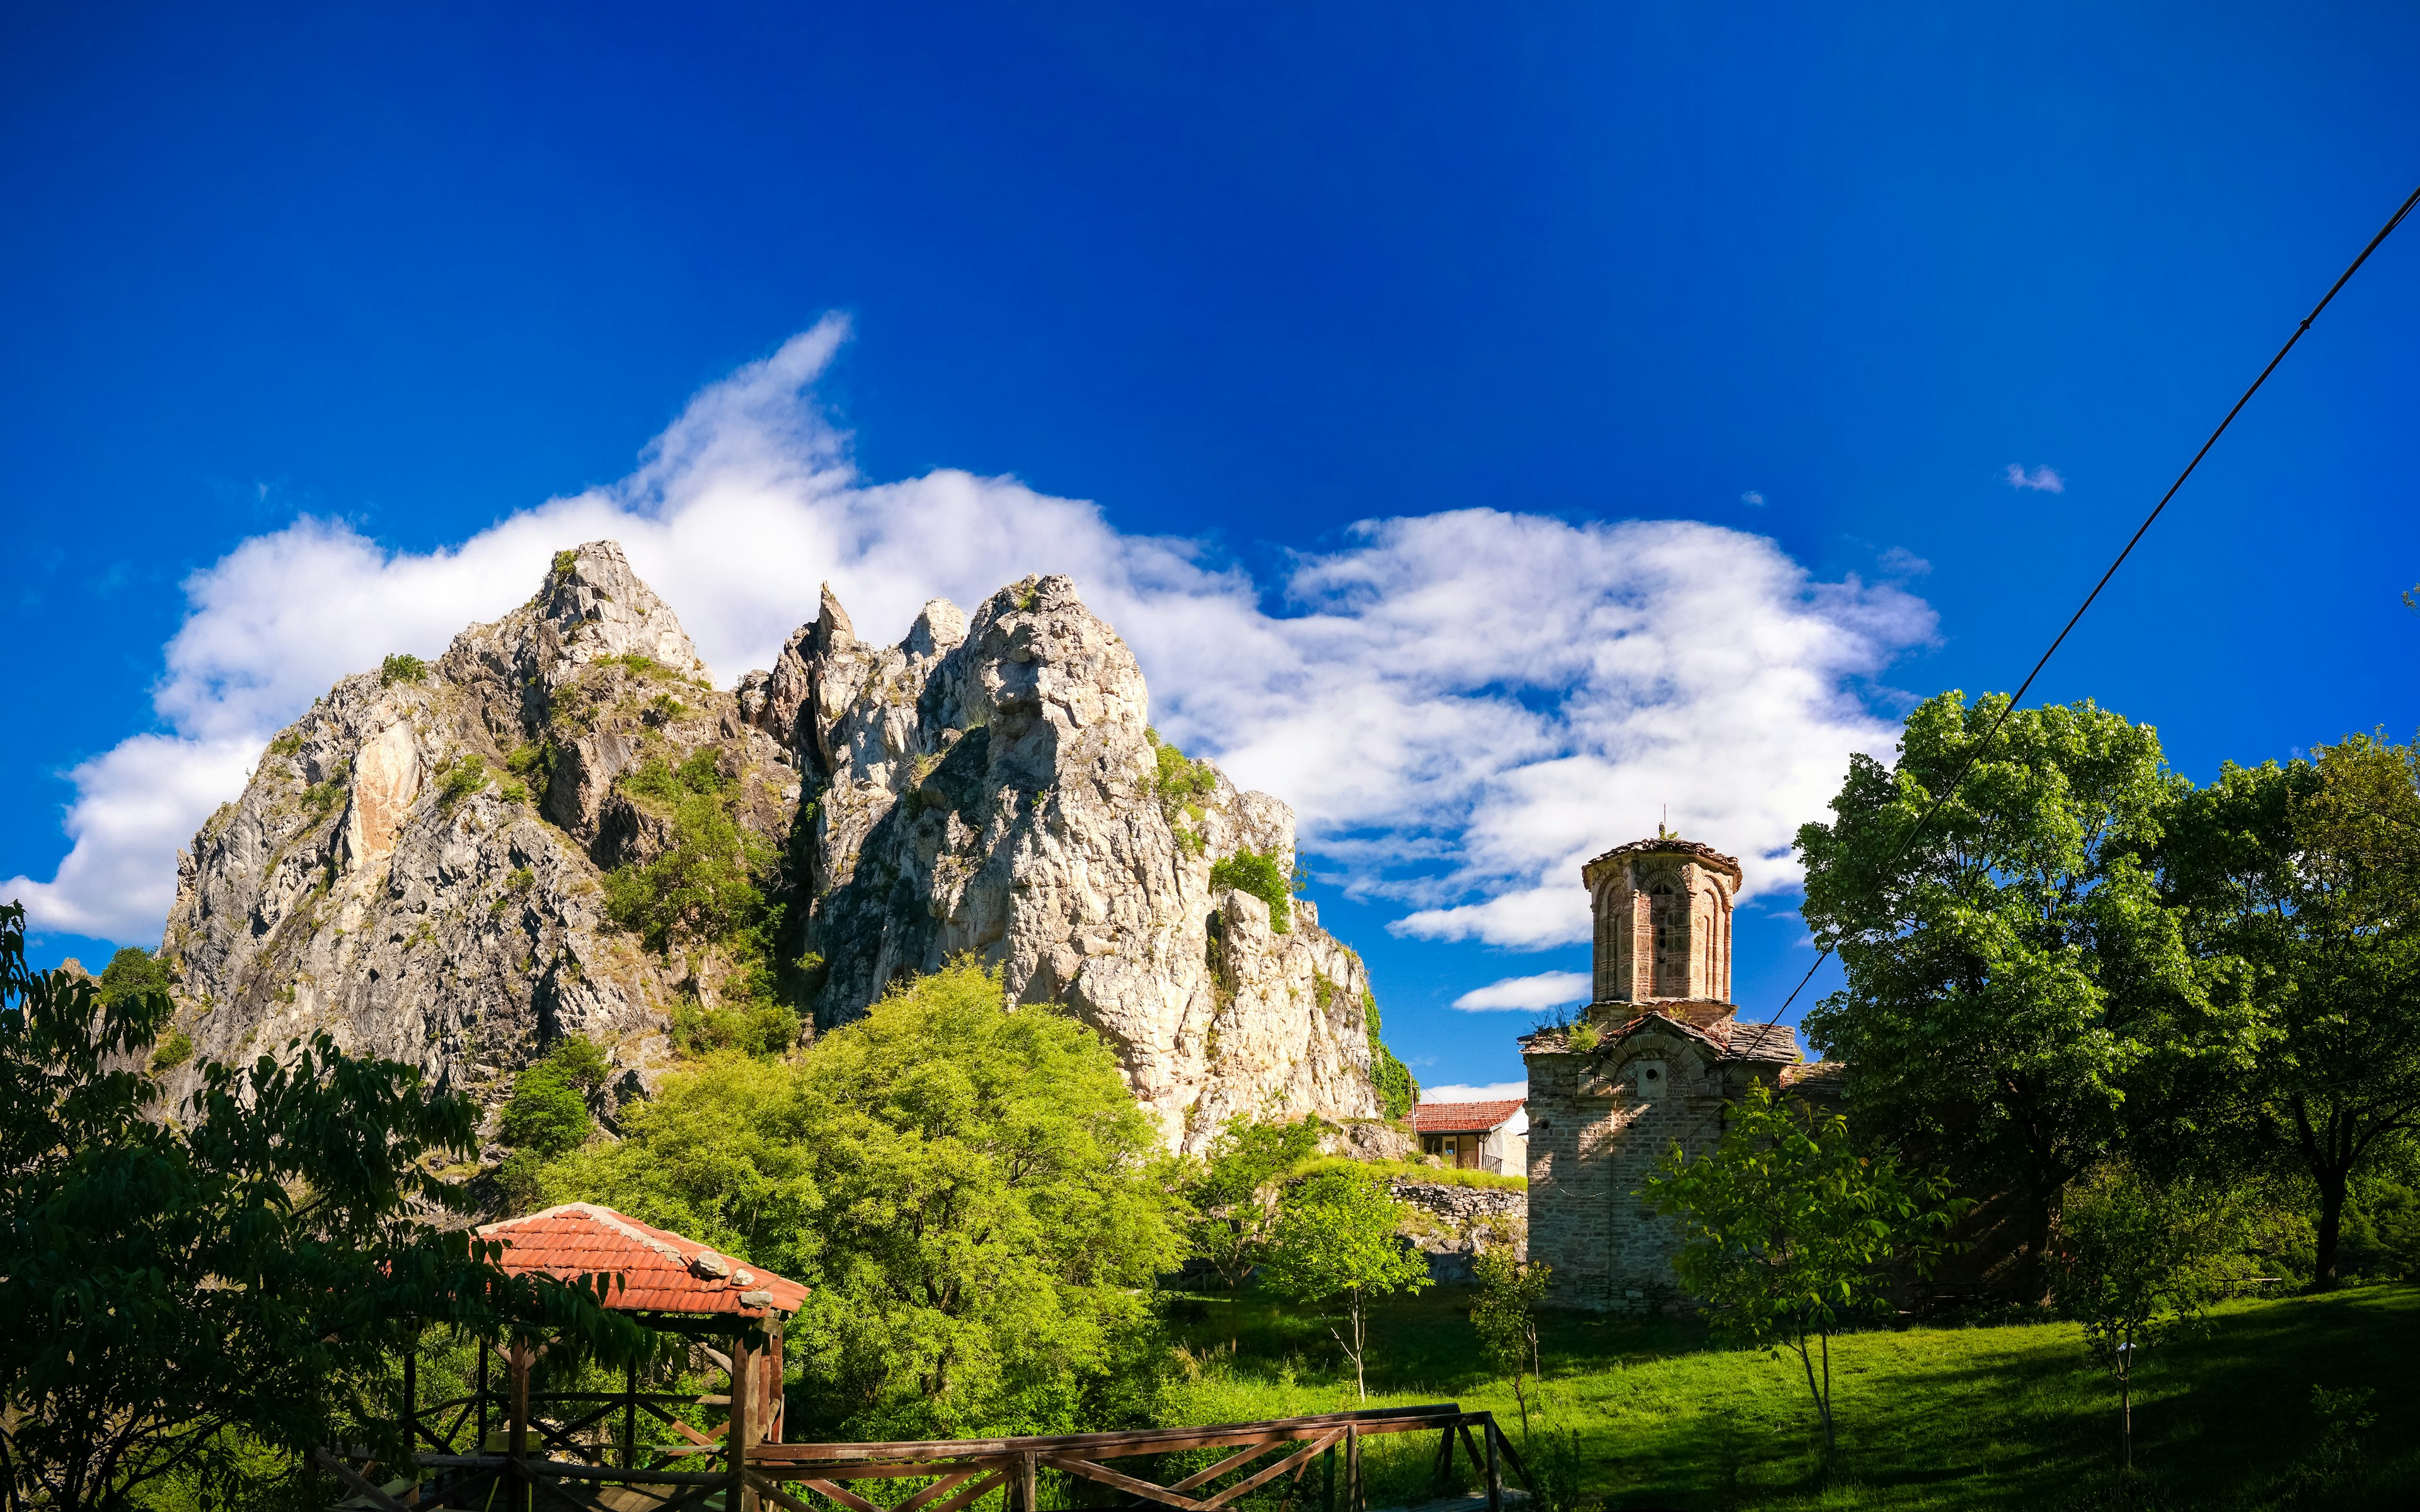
(959,1471)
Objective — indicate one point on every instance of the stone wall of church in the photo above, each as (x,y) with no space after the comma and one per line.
(1593,1141)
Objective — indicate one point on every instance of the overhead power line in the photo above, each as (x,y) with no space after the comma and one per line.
(1917,830)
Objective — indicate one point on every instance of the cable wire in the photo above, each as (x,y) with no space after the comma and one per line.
(1916,830)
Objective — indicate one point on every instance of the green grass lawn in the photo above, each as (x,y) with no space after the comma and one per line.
(2011,1416)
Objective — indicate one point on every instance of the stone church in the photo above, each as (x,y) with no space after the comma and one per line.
(1668,1054)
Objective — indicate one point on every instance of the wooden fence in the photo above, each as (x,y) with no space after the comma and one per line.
(820,1478)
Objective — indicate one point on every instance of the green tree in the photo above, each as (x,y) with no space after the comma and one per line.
(1339,1239)
(2305,880)
(972,1192)
(1788,1232)
(2018,991)
(180,1289)
(1505,1315)
(132,973)
(2136,1264)
(1233,1194)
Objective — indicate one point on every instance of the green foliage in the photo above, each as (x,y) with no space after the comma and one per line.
(564,562)
(1180,782)
(1233,1192)
(284,746)
(2138,1263)
(1257,873)
(322,798)
(1398,1093)
(972,1192)
(177,1288)
(401,668)
(132,973)
(546,1114)
(174,1048)
(1339,1239)
(749,1024)
(462,779)
(1786,1230)
(702,889)
(2017,989)
(657,779)
(1585,1037)
(1504,1315)
(2304,882)
(664,709)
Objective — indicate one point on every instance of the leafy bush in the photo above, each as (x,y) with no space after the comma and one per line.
(657,779)
(666,708)
(702,889)
(1257,873)
(402,666)
(174,1048)
(459,780)
(1180,782)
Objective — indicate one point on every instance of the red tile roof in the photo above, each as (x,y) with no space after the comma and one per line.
(1463,1117)
(660,1271)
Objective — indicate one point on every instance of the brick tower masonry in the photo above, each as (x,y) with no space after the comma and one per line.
(1669,1054)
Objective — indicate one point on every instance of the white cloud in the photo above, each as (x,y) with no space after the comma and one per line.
(1491,1093)
(1461,706)
(2042,479)
(1752,498)
(1551,989)
(1898,562)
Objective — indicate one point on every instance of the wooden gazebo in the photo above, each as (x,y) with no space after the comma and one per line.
(503,1448)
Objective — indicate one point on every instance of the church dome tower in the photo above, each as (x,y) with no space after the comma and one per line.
(1663,912)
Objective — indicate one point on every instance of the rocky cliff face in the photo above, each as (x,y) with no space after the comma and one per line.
(422,865)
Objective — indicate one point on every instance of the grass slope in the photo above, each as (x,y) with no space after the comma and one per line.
(1930,1417)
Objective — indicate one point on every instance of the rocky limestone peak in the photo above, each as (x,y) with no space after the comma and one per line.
(419,866)
(991,785)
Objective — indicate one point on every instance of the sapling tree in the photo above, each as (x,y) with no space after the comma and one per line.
(1505,1315)
(2137,1263)
(1339,1240)
(1788,1230)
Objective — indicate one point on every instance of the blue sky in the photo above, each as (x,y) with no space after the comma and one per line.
(1243,277)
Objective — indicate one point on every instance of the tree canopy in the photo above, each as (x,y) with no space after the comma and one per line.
(2018,990)
(971,1192)
(2305,880)
(247,1265)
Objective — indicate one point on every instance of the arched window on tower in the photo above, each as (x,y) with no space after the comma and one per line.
(1668,909)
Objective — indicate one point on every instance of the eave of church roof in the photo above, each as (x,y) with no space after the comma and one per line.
(1673,846)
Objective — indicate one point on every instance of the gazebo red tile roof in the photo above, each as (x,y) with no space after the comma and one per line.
(1463,1117)
(660,1271)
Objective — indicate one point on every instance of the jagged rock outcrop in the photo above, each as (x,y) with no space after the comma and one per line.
(416,865)
(420,864)
(991,785)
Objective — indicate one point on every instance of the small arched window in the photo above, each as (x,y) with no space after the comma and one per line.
(1668,911)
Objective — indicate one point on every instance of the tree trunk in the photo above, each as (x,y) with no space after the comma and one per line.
(2331,1205)
(2126,1416)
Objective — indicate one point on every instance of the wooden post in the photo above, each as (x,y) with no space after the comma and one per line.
(775,1402)
(631,1417)
(516,1361)
(1327,1480)
(411,1425)
(479,1394)
(1022,1489)
(1352,1470)
(1444,1462)
(1495,1473)
(736,1436)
